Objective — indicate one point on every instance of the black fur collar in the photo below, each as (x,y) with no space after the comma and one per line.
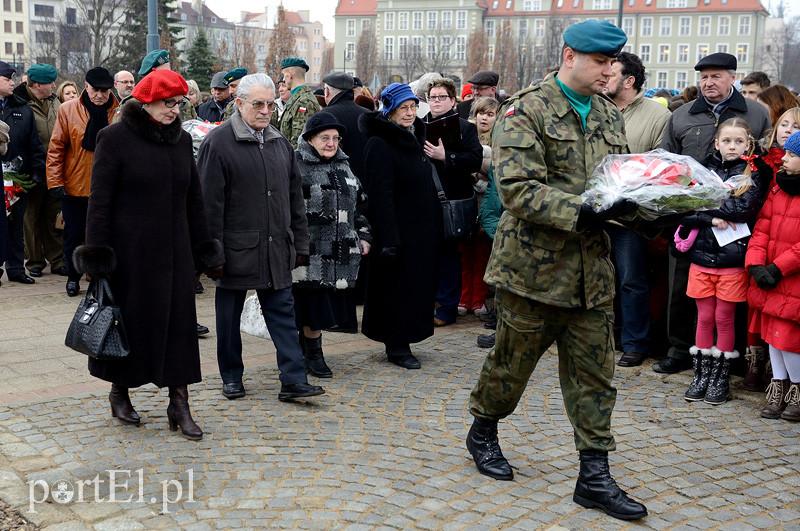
(135,117)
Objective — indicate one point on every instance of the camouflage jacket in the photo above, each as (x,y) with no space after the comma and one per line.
(188,112)
(542,159)
(230,108)
(300,106)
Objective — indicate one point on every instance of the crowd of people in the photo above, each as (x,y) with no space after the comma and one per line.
(321,200)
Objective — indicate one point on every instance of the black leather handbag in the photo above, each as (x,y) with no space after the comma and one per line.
(459,216)
(97,329)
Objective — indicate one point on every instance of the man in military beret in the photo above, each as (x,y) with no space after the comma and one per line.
(155,60)
(214,109)
(691,132)
(43,241)
(302,102)
(233,77)
(550,262)
(484,83)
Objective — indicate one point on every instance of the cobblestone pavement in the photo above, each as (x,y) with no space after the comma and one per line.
(384,447)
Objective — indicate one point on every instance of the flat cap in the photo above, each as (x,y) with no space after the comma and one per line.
(152,60)
(236,73)
(219,81)
(100,78)
(6,70)
(357,82)
(485,78)
(721,60)
(294,61)
(42,73)
(339,80)
(595,36)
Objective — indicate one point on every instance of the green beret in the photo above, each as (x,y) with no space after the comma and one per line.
(595,36)
(41,73)
(236,73)
(152,60)
(294,61)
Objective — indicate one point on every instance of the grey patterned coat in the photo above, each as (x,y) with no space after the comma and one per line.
(333,198)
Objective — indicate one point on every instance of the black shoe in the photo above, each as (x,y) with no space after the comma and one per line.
(343,329)
(36,272)
(121,407)
(314,357)
(179,415)
(233,390)
(484,447)
(631,359)
(405,360)
(299,390)
(597,489)
(73,288)
(671,365)
(21,278)
(198,287)
(60,271)
(201,330)
(486,340)
(490,325)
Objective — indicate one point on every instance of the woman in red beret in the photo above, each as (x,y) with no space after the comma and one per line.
(146,231)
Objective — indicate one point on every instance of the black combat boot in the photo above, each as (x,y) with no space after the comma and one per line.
(179,416)
(121,407)
(315,360)
(597,489)
(482,443)
(701,361)
(719,389)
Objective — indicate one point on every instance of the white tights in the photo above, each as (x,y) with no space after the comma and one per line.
(785,364)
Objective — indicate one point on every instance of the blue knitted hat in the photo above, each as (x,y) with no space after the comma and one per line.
(793,144)
(394,95)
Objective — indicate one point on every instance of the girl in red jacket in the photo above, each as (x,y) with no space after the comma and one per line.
(773,261)
(788,123)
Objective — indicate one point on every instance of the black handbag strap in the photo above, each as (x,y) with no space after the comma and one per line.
(437,183)
(101,291)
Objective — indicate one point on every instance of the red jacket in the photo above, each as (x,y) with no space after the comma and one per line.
(776,239)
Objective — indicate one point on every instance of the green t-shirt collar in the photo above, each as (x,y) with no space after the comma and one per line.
(582,104)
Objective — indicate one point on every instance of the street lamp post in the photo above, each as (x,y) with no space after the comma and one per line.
(152,25)
(619,13)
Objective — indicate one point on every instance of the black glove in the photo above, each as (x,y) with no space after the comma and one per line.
(588,218)
(389,252)
(215,273)
(57,192)
(697,220)
(766,277)
(301,260)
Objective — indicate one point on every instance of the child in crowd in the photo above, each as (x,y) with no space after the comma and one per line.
(788,123)
(773,261)
(717,277)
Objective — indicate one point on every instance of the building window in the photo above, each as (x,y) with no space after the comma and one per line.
(388,21)
(402,21)
(402,47)
(7,7)
(416,47)
(461,20)
(722,48)
(647,27)
(724,26)
(19,27)
(20,48)
(461,48)
(742,53)
(490,26)
(490,52)
(388,48)
(538,27)
(447,20)
(661,79)
(665,30)
(681,81)
(744,25)
(351,28)
(627,26)
(432,19)
(417,20)
(523,29)
(644,53)
(685,26)
(43,11)
(663,53)
(46,37)
(350,51)
(705,26)
(365,24)
(18,9)
(702,51)
(431,51)
(9,48)
(6,26)
(683,53)
(601,4)
(532,5)
(671,4)
(446,41)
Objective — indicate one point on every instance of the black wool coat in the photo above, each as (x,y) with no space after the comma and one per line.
(353,142)
(25,141)
(404,213)
(460,161)
(146,205)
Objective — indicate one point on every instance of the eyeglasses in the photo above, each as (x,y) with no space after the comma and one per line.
(406,108)
(259,105)
(439,98)
(326,139)
(131,82)
(170,104)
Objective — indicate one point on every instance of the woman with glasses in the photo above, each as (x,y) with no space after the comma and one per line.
(339,236)
(406,224)
(146,232)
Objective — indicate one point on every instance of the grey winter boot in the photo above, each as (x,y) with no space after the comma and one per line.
(701,361)
(776,399)
(719,389)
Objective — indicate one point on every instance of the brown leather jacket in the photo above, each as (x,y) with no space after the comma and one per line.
(68,164)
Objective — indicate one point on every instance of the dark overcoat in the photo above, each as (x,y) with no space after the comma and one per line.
(404,213)
(254,202)
(348,113)
(146,205)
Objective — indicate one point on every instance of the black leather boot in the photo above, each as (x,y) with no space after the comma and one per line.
(121,407)
(482,443)
(597,489)
(179,416)
(701,360)
(315,360)
(400,355)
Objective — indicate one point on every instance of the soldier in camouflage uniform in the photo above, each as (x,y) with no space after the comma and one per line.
(550,262)
(233,77)
(302,102)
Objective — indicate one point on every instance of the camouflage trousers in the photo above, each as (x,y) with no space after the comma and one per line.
(525,330)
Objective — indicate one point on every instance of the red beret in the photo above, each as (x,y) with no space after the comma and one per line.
(466,90)
(160,85)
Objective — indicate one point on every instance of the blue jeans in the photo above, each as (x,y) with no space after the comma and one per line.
(630,259)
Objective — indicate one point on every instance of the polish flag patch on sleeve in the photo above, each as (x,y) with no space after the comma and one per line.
(510,111)
(301,109)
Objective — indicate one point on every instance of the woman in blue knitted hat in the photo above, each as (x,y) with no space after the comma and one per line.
(406,227)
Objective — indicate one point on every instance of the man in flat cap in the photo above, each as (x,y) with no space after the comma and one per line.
(25,157)
(43,241)
(233,77)
(550,262)
(155,60)
(339,98)
(70,157)
(484,83)
(691,132)
(214,109)
(302,102)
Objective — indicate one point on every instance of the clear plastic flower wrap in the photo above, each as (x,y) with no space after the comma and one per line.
(198,129)
(660,182)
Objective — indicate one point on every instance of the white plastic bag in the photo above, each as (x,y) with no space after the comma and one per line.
(252,319)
